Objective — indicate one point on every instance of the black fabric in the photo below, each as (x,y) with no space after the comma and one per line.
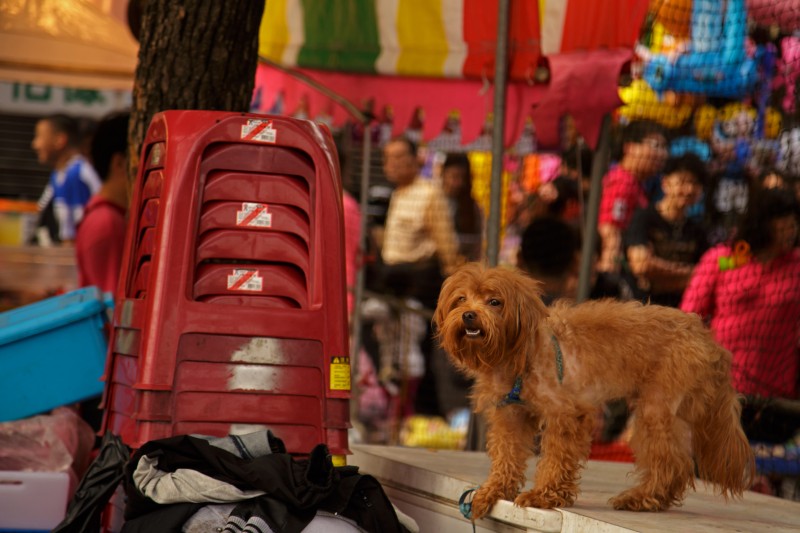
(362,499)
(299,485)
(295,489)
(96,487)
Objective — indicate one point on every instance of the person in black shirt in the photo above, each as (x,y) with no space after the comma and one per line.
(662,244)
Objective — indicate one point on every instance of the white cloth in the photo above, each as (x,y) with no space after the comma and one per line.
(185,485)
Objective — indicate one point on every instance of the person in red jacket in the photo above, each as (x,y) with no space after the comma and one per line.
(100,237)
(644,152)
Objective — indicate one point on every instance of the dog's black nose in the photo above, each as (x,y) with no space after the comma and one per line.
(468,317)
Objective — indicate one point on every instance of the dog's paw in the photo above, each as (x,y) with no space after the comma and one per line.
(545,499)
(483,501)
(633,500)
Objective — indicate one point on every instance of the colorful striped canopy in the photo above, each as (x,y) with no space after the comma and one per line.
(440,38)
(439,54)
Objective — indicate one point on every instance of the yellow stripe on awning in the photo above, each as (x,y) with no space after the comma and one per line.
(274,32)
(422,38)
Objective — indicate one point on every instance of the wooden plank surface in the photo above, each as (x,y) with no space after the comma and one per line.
(443,475)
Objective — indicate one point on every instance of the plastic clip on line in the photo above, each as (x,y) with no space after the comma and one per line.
(465,504)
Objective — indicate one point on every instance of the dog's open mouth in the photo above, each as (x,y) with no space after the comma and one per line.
(472,333)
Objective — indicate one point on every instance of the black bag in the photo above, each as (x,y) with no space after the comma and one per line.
(361,498)
(96,487)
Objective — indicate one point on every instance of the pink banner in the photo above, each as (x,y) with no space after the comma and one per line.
(583,84)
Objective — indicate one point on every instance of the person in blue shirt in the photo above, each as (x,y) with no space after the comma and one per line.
(72,181)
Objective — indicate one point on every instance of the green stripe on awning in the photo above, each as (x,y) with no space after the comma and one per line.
(338,38)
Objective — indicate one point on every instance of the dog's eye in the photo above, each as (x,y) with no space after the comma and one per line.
(494,302)
(462,300)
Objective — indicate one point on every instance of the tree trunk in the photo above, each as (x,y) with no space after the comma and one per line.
(193,54)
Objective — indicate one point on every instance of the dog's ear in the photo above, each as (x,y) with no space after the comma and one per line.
(442,304)
(528,307)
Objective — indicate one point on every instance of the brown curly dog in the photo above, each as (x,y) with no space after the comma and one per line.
(550,369)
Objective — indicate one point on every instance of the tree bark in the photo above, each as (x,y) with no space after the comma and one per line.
(193,54)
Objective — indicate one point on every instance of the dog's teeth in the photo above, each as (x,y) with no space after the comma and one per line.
(473,332)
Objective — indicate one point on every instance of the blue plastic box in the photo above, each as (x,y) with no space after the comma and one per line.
(52,353)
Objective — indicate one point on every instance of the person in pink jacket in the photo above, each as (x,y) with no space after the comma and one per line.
(749,292)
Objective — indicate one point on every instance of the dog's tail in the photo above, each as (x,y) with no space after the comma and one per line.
(723,454)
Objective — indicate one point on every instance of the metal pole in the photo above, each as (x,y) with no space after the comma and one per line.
(599,168)
(358,293)
(498,134)
(476,430)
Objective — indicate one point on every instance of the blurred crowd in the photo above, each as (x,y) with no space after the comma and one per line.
(710,231)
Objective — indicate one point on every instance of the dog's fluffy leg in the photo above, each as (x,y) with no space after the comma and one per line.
(509,443)
(661,443)
(566,442)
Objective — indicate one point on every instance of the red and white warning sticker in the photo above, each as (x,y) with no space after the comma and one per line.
(259,130)
(254,215)
(243,279)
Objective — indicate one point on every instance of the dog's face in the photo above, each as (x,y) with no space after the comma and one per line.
(487,317)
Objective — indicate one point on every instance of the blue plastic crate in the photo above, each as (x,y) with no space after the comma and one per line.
(52,353)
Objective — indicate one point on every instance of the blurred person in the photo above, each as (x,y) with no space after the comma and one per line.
(559,198)
(419,244)
(100,237)
(644,151)
(550,252)
(662,243)
(86,130)
(749,292)
(419,248)
(576,163)
(452,387)
(577,155)
(467,216)
(72,181)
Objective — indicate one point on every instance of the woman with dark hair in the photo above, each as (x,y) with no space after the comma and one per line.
(467,217)
(749,292)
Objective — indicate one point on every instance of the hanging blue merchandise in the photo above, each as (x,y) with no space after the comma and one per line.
(715,62)
(765,59)
(685,145)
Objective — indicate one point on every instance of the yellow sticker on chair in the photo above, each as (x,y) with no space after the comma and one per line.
(340,373)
